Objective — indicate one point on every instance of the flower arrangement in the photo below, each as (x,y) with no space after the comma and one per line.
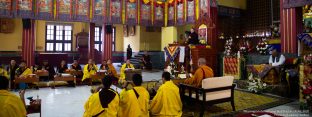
(255,84)
(307,59)
(244,47)
(228,47)
(307,93)
(262,46)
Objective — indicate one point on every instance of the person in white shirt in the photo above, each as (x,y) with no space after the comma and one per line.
(276,59)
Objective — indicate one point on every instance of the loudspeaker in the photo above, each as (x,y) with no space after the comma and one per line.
(108,29)
(26,23)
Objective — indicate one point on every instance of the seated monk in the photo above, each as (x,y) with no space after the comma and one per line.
(104,65)
(10,104)
(75,66)
(46,66)
(89,69)
(4,73)
(63,67)
(111,68)
(167,101)
(202,72)
(146,60)
(23,71)
(104,103)
(123,68)
(134,102)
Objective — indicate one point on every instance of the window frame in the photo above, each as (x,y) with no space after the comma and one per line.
(100,37)
(63,41)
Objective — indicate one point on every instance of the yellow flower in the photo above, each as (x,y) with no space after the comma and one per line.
(132,1)
(146,1)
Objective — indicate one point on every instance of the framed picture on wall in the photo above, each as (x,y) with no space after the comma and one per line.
(132,31)
(125,30)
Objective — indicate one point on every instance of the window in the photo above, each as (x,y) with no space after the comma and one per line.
(98,40)
(59,37)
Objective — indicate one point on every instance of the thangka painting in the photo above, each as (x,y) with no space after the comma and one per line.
(99,11)
(180,12)
(24,8)
(171,13)
(64,10)
(5,8)
(190,11)
(44,9)
(115,11)
(145,13)
(204,7)
(82,10)
(159,14)
(131,12)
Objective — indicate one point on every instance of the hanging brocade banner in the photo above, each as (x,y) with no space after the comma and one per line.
(64,10)
(145,13)
(204,7)
(99,11)
(116,11)
(190,14)
(6,8)
(172,52)
(131,12)
(159,16)
(180,12)
(82,10)
(24,9)
(171,13)
(44,9)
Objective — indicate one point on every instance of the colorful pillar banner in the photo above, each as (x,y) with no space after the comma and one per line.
(6,8)
(116,11)
(190,14)
(159,14)
(82,10)
(171,13)
(180,12)
(64,10)
(44,9)
(131,12)
(99,11)
(146,12)
(24,8)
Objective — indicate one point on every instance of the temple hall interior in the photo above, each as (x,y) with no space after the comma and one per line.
(155,58)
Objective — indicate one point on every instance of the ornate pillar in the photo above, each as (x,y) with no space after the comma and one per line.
(91,41)
(28,43)
(290,27)
(107,42)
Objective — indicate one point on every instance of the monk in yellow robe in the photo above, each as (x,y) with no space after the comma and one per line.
(111,68)
(89,69)
(23,71)
(104,103)
(134,102)
(10,104)
(4,73)
(202,72)
(123,68)
(167,101)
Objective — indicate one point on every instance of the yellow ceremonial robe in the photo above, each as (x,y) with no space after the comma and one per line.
(4,73)
(93,106)
(25,73)
(87,73)
(11,105)
(196,80)
(131,106)
(112,70)
(122,70)
(167,101)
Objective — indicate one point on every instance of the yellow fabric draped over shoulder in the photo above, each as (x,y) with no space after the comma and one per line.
(26,73)
(131,106)
(113,70)
(11,105)
(4,73)
(87,73)
(93,106)
(122,70)
(167,101)
(196,80)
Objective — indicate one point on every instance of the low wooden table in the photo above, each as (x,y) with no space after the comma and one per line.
(34,107)
(130,73)
(97,76)
(177,81)
(64,77)
(32,78)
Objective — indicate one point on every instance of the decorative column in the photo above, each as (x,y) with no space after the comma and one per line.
(91,41)
(28,43)
(290,27)
(107,42)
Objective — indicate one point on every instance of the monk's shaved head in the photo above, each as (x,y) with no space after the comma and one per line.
(201,61)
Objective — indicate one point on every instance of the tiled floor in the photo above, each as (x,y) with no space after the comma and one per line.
(69,101)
